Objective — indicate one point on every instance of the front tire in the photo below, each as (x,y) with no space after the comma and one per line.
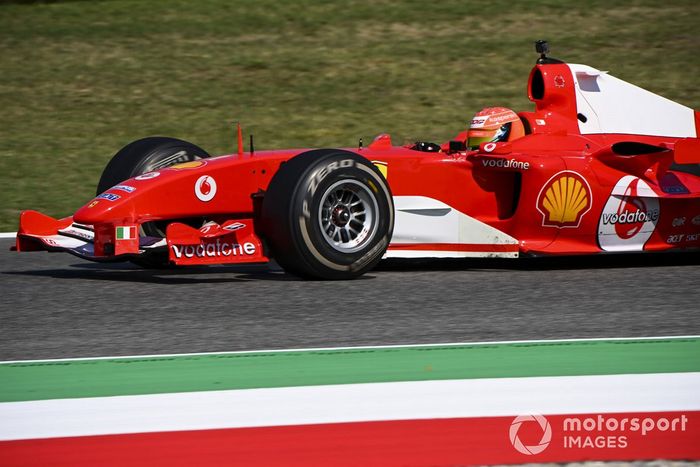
(328,214)
(147,155)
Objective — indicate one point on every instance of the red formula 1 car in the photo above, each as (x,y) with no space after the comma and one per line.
(601,166)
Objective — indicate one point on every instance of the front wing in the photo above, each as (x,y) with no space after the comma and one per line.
(229,243)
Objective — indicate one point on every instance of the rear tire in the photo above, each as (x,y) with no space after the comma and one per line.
(147,155)
(327,214)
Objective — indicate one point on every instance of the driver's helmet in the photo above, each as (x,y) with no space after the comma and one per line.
(493,125)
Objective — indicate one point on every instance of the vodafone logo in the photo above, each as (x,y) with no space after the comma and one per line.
(498,162)
(629,217)
(535,448)
(205,188)
(214,250)
(488,147)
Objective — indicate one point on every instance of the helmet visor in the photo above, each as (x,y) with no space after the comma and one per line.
(477,137)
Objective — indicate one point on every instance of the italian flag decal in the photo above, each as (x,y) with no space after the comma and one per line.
(457,404)
(126,233)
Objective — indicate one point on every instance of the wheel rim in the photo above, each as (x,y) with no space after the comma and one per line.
(348,216)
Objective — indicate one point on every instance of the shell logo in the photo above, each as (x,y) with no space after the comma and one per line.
(564,200)
(188,165)
(383,167)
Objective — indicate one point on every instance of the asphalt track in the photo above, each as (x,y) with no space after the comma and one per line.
(56,305)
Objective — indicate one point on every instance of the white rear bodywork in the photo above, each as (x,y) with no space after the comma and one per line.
(615,106)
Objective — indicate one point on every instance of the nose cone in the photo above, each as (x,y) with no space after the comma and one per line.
(110,205)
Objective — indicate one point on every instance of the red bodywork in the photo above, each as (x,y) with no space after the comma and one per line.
(554,191)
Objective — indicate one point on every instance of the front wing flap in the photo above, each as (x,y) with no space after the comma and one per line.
(39,232)
(233,241)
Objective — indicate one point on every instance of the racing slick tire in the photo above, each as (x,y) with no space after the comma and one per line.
(147,155)
(327,214)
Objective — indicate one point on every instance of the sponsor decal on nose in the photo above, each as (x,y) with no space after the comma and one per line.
(126,188)
(109,196)
(205,188)
(147,176)
(188,165)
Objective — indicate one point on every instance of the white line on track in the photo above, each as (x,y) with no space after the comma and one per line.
(362,347)
(8,234)
(495,397)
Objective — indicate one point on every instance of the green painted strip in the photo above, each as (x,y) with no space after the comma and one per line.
(110,377)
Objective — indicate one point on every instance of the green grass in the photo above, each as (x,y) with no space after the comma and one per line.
(79,80)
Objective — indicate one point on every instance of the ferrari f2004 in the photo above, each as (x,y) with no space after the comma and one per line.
(599,166)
